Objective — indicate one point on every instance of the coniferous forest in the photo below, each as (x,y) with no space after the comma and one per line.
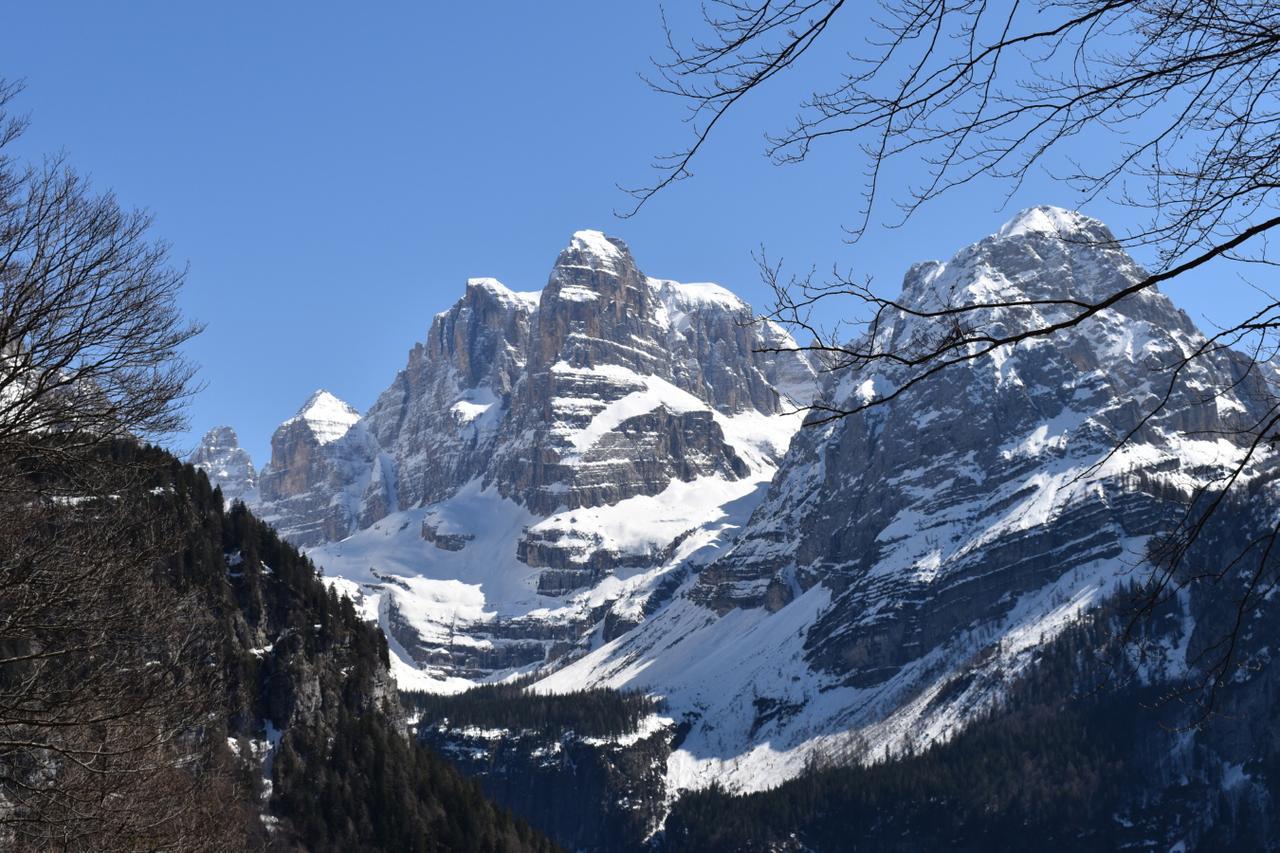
(345,775)
(586,713)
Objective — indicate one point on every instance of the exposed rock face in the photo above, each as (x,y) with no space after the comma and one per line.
(551,453)
(908,560)
(654,360)
(507,382)
(227,464)
(326,476)
(439,419)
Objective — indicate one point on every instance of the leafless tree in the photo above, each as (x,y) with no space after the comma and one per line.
(109,684)
(90,332)
(1170,107)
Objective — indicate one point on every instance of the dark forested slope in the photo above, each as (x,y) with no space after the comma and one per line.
(308,696)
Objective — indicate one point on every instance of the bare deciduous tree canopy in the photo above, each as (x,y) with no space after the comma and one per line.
(89,328)
(1168,104)
(107,678)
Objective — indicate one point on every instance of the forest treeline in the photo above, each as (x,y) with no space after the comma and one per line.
(597,712)
(1088,751)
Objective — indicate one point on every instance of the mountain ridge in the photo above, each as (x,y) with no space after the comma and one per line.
(577,442)
(604,488)
(908,560)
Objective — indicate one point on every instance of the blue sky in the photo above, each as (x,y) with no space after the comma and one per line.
(332,173)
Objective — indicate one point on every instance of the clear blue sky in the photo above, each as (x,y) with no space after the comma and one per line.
(332,173)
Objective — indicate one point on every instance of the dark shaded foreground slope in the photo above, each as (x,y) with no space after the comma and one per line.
(311,720)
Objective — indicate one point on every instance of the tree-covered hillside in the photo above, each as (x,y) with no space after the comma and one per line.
(300,743)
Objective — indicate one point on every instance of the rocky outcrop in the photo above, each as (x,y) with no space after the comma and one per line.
(439,419)
(654,360)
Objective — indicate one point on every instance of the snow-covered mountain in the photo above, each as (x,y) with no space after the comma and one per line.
(227,464)
(326,476)
(546,468)
(599,482)
(908,561)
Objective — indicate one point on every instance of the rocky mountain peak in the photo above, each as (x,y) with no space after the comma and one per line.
(1046,219)
(1042,254)
(227,464)
(592,266)
(324,474)
(219,438)
(599,247)
(542,452)
(486,290)
(597,308)
(327,417)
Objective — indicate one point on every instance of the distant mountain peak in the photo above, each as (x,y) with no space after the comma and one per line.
(226,462)
(220,436)
(599,244)
(501,292)
(328,417)
(1043,253)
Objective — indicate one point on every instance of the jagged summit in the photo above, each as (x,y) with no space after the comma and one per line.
(220,437)
(322,474)
(501,292)
(1042,253)
(605,386)
(597,244)
(1048,219)
(226,462)
(328,417)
